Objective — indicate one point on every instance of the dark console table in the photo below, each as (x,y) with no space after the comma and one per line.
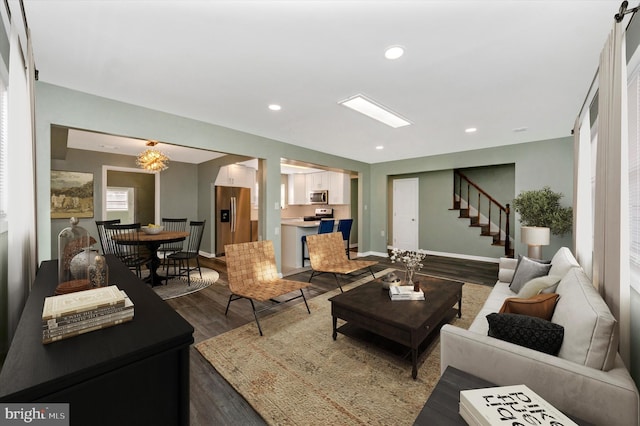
(132,374)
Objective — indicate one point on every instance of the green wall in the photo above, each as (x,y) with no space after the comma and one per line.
(497,180)
(536,164)
(354,212)
(56,105)
(440,228)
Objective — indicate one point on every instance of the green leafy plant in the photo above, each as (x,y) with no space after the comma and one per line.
(542,208)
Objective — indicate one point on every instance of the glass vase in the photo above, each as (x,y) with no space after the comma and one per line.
(408,276)
(409,279)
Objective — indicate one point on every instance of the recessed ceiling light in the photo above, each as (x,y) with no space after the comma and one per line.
(377,112)
(275,107)
(379,147)
(394,52)
(471,130)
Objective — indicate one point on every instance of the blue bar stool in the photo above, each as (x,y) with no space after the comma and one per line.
(344,226)
(325,227)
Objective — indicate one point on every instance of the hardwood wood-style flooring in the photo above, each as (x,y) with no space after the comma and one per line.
(213,400)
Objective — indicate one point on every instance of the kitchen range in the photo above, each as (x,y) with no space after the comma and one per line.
(319,215)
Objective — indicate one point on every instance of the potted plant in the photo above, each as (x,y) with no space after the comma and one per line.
(542,208)
(540,214)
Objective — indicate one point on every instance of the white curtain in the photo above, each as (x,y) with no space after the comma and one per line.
(611,216)
(21,206)
(582,202)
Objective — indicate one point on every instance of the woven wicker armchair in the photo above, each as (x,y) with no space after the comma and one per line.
(327,255)
(253,275)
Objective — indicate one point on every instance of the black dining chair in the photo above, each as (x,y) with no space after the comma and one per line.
(172,225)
(325,226)
(127,245)
(181,259)
(107,244)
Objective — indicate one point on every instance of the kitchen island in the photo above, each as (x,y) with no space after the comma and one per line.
(292,232)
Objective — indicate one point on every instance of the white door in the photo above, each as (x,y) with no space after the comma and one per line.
(405,213)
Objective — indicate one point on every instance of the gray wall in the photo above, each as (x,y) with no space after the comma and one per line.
(178,189)
(143,185)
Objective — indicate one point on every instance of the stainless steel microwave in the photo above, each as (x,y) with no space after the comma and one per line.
(319,197)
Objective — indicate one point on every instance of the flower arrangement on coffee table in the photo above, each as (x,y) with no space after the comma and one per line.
(412,261)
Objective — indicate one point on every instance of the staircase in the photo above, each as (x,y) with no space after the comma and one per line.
(483,213)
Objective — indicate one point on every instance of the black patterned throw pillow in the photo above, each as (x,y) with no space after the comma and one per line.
(530,332)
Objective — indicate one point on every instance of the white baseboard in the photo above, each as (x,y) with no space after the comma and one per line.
(373,253)
(380,254)
(463,256)
(452,255)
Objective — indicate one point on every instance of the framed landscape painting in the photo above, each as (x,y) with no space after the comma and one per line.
(71,194)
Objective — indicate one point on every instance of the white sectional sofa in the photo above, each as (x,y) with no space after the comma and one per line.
(586,379)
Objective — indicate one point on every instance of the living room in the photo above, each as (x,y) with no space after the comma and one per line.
(538,162)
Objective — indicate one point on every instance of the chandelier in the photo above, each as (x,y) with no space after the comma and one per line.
(152,159)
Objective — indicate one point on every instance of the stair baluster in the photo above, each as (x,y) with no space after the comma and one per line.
(458,197)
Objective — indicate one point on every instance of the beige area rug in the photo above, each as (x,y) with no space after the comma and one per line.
(296,374)
(178,286)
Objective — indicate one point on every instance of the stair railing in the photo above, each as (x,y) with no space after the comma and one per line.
(462,183)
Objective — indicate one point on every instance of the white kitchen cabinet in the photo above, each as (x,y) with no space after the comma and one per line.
(236,175)
(297,189)
(339,188)
(316,181)
(338,185)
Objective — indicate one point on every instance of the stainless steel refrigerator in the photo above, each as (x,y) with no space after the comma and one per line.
(233,216)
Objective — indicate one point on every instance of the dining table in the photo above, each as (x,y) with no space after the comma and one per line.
(153,242)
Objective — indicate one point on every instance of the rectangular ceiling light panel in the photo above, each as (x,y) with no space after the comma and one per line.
(377,112)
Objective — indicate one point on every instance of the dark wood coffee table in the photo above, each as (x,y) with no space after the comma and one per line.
(408,323)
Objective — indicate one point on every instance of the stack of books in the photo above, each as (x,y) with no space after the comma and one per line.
(508,405)
(405,292)
(71,314)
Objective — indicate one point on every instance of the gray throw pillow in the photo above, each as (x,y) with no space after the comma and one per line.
(527,270)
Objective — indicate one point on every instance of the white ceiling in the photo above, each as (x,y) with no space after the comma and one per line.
(495,65)
(80,139)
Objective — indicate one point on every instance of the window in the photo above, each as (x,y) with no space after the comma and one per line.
(3,150)
(120,204)
(117,200)
(634,180)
